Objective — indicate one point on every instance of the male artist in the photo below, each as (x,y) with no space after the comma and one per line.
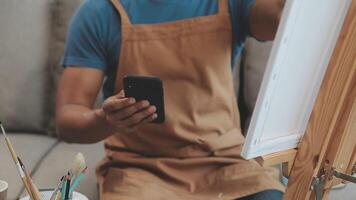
(191,45)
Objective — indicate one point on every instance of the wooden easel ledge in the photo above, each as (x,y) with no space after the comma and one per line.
(285,157)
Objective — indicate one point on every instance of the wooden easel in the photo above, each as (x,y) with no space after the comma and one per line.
(286,158)
(329,143)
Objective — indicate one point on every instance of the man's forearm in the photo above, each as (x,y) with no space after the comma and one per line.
(264,18)
(90,125)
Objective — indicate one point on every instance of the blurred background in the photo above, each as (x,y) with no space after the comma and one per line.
(32,39)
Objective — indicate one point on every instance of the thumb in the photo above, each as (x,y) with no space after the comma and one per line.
(121,94)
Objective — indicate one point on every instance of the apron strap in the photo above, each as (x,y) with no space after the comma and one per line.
(125,20)
(223,7)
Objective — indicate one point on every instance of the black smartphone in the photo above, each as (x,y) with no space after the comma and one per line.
(146,88)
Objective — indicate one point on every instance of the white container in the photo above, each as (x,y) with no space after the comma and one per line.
(46,195)
(3,189)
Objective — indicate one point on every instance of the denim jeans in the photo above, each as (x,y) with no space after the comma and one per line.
(265,195)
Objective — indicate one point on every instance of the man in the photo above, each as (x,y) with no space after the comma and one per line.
(190,45)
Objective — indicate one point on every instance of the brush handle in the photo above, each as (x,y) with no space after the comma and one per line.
(64,186)
(58,196)
(19,168)
(29,185)
(36,193)
(11,149)
(28,189)
(23,178)
(66,196)
(76,182)
(55,192)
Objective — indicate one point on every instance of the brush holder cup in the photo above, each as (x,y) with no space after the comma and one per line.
(46,195)
(3,190)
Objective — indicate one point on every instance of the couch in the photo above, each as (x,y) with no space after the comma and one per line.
(32,38)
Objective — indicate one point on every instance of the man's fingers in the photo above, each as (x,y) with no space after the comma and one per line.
(127,114)
(138,117)
(144,121)
(132,114)
(149,118)
(113,104)
(129,111)
(133,127)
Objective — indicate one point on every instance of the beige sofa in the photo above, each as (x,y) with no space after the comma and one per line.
(32,37)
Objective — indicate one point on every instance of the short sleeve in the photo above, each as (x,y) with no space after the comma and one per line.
(87,38)
(240,11)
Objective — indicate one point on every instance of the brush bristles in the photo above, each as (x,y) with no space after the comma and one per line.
(78,164)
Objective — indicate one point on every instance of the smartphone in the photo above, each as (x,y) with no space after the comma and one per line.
(146,88)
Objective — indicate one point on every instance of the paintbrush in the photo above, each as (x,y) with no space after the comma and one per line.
(14,157)
(36,194)
(68,180)
(34,190)
(77,180)
(58,196)
(54,194)
(78,164)
(26,177)
(64,188)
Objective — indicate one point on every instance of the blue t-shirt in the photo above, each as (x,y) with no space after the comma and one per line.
(94,34)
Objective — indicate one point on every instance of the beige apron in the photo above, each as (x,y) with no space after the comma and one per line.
(195,154)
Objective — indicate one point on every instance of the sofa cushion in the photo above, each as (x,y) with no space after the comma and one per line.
(255,59)
(24,77)
(59,161)
(30,148)
(32,40)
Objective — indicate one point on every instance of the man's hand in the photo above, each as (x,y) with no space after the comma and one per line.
(126,114)
(264,18)
(76,119)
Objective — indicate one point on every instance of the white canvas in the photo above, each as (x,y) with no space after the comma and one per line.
(300,54)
